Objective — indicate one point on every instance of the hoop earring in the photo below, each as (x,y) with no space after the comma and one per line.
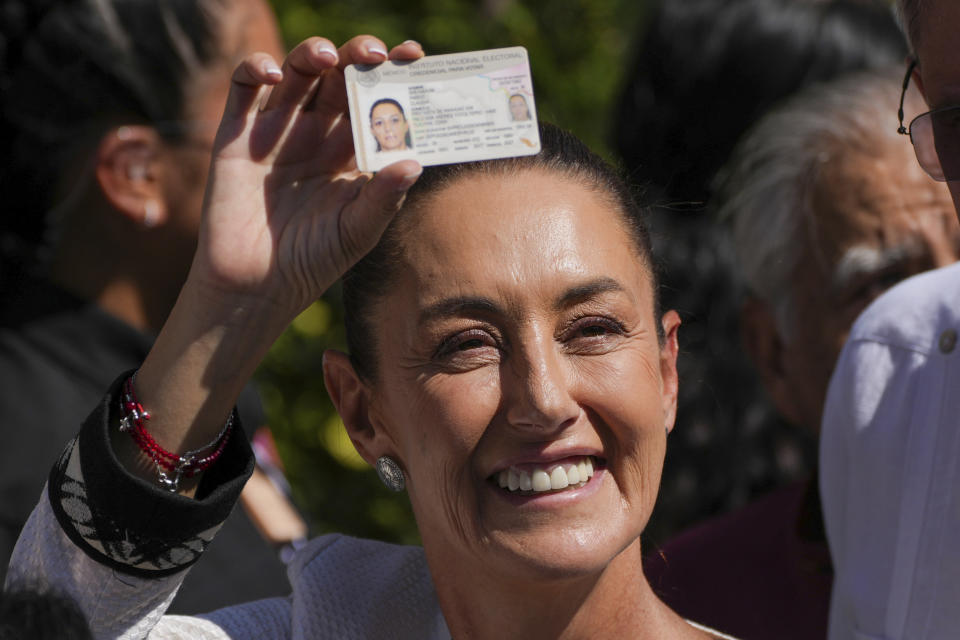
(390,473)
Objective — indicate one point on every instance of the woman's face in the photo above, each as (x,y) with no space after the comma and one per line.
(520,339)
(389,127)
(518,109)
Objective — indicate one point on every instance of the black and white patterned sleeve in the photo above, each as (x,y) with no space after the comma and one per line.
(116,544)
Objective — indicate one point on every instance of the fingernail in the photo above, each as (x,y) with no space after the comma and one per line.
(377,49)
(326,50)
(272,70)
(412,42)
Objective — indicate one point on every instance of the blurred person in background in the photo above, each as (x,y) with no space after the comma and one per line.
(31,614)
(704,72)
(509,368)
(109,109)
(890,438)
(828,210)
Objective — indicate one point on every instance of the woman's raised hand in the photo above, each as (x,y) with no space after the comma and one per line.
(286,211)
(286,214)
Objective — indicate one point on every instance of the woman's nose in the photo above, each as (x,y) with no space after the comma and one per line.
(539,392)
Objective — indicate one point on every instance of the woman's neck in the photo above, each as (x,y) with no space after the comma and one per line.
(118,270)
(616,603)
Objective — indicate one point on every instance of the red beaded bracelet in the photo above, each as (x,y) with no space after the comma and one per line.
(170,466)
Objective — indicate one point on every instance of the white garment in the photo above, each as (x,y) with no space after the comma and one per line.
(343,587)
(890,466)
(120,548)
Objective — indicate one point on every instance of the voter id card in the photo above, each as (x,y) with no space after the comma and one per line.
(443,109)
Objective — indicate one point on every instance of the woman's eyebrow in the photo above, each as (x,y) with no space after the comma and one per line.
(460,306)
(586,291)
(478,305)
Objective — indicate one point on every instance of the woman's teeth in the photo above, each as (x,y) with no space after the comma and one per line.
(539,479)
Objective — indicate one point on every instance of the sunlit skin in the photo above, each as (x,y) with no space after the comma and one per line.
(518,109)
(884,202)
(938,71)
(287,212)
(521,330)
(251,27)
(389,127)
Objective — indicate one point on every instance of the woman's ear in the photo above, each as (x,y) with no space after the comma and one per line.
(668,366)
(351,398)
(128,173)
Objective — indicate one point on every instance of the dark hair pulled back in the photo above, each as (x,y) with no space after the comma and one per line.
(561,153)
(72,69)
(387,101)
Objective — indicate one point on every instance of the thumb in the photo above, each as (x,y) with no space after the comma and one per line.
(366,218)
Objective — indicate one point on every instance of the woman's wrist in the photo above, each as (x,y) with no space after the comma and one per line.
(203,357)
(210,300)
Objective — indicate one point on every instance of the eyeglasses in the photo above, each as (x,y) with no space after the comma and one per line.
(935,136)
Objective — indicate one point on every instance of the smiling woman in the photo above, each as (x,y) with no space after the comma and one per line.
(508,363)
(512,340)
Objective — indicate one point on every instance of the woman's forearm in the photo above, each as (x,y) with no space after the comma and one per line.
(190,380)
(286,213)
(117,545)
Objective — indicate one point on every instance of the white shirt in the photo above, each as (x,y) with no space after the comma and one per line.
(890,466)
(344,588)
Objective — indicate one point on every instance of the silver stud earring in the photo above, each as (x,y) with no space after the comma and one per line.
(151,214)
(390,473)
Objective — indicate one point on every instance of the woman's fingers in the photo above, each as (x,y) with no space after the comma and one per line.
(408,50)
(372,50)
(331,96)
(248,81)
(365,219)
(310,79)
(301,71)
(297,79)
(363,50)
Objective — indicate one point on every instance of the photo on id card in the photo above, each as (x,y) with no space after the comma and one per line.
(443,109)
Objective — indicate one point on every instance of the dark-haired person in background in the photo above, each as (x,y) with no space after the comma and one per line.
(828,209)
(704,72)
(890,440)
(109,110)
(30,614)
(509,368)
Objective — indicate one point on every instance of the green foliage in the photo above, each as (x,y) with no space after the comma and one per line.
(577,51)
(577,47)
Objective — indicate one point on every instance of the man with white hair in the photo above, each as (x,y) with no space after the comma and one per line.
(890,441)
(828,209)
